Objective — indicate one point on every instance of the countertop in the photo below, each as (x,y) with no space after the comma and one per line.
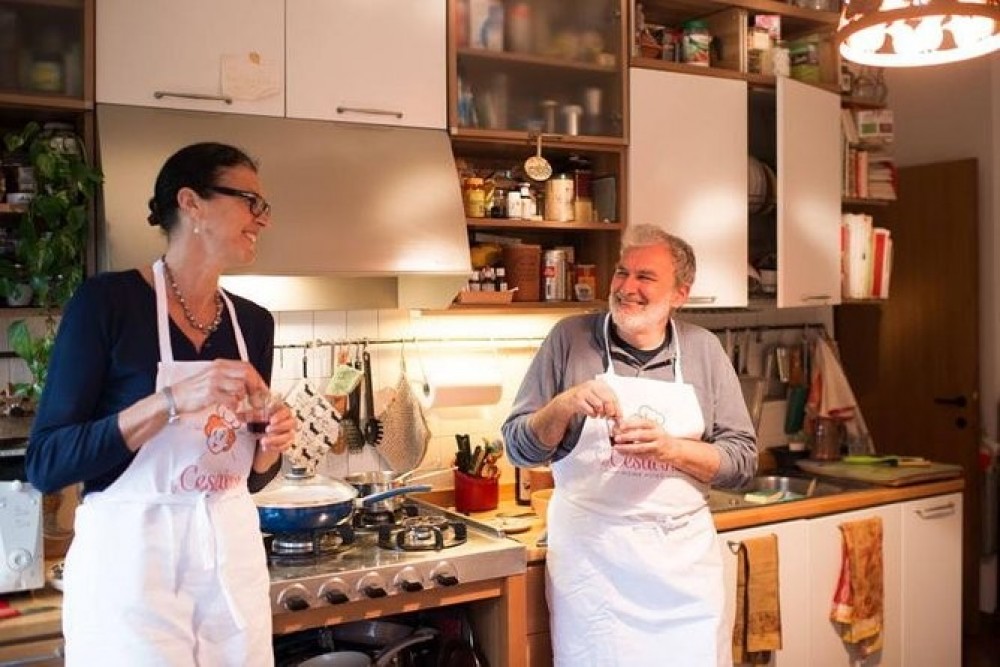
(47,624)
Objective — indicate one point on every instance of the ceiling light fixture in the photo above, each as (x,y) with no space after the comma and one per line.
(907,33)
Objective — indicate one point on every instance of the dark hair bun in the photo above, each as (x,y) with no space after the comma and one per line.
(154,217)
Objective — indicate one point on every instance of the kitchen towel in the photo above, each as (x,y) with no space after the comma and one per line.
(757,627)
(858,599)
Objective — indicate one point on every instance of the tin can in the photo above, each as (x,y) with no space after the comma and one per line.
(554,275)
(585,285)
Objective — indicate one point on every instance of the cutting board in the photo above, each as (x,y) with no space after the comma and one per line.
(882,475)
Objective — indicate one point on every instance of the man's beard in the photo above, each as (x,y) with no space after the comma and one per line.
(652,316)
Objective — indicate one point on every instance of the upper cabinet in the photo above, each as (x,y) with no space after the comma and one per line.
(688,173)
(530,66)
(45,46)
(368,61)
(808,197)
(224,56)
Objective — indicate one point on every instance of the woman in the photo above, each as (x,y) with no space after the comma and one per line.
(144,404)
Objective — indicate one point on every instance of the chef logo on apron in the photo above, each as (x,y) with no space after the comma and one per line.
(217,468)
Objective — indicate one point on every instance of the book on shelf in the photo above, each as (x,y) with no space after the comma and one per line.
(866,258)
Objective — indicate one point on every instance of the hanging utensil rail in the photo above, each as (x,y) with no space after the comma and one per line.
(528,341)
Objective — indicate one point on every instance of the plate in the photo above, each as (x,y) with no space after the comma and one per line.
(512,524)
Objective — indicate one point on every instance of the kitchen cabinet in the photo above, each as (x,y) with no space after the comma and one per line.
(794,585)
(539,638)
(931,603)
(367,61)
(226,56)
(687,169)
(552,73)
(45,46)
(824,560)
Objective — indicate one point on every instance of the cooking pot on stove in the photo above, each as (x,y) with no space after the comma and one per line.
(358,659)
(301,502)
(378,481)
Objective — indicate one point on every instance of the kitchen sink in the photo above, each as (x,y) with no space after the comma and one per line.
(768,490)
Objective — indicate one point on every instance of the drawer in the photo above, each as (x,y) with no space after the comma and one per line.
(538,609)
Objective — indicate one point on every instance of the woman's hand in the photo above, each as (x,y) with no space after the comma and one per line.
(223,382)
(278,437)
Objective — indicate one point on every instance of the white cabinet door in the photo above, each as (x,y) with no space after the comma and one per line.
(808,145)
(368,61)
(825,645)
(190,54)
(932,581)
(793,581)
(687,168)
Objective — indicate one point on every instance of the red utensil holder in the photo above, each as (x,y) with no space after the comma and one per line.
(476,494)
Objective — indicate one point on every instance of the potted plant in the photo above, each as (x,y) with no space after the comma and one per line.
(48,257)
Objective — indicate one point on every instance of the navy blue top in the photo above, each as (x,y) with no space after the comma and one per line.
(104,360)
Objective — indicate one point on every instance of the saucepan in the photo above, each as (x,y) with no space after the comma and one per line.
(379,481)
(299,504)
(359,659)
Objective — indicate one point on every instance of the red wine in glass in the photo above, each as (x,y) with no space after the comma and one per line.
(257,427)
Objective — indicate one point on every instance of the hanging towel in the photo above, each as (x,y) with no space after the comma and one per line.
(830,393)
(757,628)
(858,600)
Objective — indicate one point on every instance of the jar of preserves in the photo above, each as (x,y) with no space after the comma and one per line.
(697,43)
(475,197)
(585,285)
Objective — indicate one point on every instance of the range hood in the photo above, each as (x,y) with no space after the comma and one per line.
(364,216)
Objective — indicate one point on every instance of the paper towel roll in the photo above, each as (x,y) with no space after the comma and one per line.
(456,394)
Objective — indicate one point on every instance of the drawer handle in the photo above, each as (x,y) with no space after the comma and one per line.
(371,112)
(936,511)
(160,94)
(816,297)
(701,299)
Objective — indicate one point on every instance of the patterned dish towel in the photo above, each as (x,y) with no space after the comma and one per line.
(858,601)
(757,628)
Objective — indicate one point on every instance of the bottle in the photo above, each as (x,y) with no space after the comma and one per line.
(519,27)
(522,487)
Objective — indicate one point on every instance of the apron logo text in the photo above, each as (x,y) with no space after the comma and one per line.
(193,478)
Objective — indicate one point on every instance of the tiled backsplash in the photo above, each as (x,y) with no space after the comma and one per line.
(483,342)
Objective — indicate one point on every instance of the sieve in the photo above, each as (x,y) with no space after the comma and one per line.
(537,167)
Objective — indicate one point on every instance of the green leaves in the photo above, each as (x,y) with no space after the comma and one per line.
(35,350)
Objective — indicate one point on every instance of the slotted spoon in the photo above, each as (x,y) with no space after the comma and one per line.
(537,167)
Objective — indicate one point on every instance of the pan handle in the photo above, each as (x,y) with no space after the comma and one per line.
(392,493)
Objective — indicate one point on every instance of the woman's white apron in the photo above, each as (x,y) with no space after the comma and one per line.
(167,565)
(634,575)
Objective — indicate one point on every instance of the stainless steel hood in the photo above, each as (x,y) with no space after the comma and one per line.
(361,214)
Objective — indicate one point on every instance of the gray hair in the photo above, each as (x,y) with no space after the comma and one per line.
(637,236)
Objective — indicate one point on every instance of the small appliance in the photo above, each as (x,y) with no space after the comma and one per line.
(22,561)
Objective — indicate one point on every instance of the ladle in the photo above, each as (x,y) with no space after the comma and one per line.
(537,167)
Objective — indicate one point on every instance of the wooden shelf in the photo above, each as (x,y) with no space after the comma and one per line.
(508,59)
(861,103)
(855,201)
(862,302)
(43,101)
(523,308)
(544,225)
(795,21)
(53,4)
(12,209)
(755,80)
(524,138)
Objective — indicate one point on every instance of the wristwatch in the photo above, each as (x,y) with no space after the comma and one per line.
(172,414)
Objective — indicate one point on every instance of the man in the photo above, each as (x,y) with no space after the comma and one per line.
(638,413)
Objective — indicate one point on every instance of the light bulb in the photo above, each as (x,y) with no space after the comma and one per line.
(868,40)
(929,33)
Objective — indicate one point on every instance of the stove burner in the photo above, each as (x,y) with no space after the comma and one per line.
(371,520)
(422,533)
(296,548)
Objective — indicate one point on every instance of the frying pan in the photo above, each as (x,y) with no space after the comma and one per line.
(299,505)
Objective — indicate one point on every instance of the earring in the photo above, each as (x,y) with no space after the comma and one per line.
(197,229)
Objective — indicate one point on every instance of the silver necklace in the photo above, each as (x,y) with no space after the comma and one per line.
(204,328)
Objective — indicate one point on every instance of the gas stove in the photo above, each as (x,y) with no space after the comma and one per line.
(426,548)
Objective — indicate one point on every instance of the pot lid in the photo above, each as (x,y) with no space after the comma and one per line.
(292,491)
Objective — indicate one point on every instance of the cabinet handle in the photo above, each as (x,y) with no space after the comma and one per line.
(372,112)
(160,94)
(816,297)
(701,299)
(936,511)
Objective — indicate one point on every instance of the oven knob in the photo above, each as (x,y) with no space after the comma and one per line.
(19,559)
(445,575)
(409,580)
(372,586)
(334,592)
(294,598)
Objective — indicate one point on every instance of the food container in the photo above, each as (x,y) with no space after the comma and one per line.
(523,264)
(476,494)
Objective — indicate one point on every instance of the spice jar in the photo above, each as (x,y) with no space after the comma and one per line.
(585,284)
(475,198)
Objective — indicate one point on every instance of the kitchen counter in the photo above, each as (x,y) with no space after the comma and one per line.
(851,499)
(48,624)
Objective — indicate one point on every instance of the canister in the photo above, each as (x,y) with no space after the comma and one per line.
(585,284)
(475,198)
(559,198)
(554,274)
(697,43)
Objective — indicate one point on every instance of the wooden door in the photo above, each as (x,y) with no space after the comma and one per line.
(913,360)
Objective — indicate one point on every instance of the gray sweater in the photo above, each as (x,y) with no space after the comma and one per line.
(574,352)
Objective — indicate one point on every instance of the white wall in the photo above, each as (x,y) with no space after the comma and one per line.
(952,112)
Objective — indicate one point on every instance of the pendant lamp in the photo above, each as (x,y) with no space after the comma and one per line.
(907,33)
